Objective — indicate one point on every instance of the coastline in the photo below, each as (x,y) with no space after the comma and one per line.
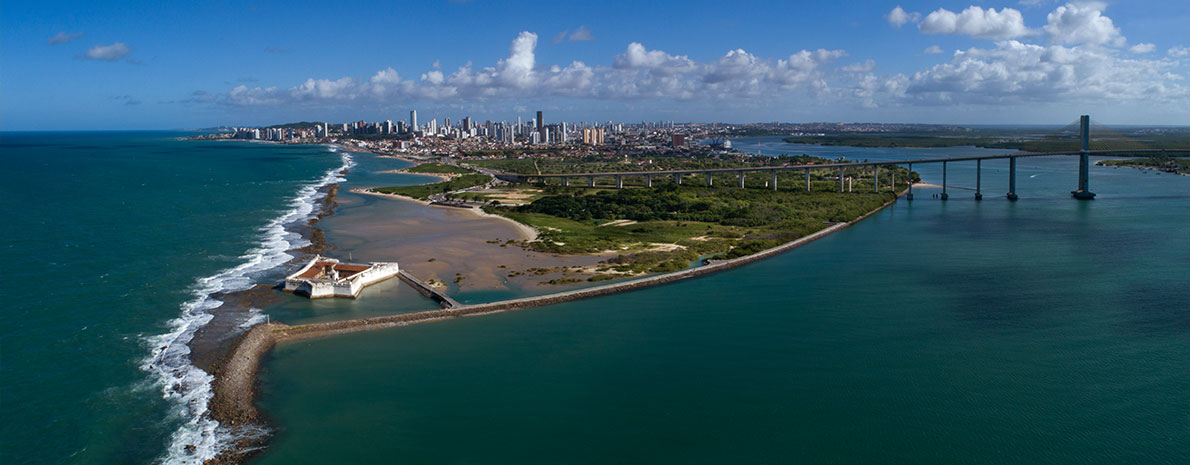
(215,342)
(527,232)
(235,380)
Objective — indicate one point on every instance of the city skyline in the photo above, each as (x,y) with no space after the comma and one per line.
(1031,62)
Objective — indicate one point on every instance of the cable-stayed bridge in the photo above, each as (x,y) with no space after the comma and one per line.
(1082,190)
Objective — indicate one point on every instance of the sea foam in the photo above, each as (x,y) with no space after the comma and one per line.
(188,388)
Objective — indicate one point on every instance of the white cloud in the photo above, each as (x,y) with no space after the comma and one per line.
(111,52)
(1142,48)
(932,50)
(1178,51)
(62,38)
(581,34)
(898,17)
(517,69)
(637,57)
(861,67)
(1012,72)
(976,22)
(1082,23)
(1018,72)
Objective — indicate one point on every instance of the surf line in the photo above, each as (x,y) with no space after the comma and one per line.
(235,379)
(187,388)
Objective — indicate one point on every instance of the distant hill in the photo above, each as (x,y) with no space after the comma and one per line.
(301,125)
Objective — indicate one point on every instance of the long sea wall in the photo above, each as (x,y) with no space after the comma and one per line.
(235,377)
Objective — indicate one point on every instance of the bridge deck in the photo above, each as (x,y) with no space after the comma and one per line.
(841,165)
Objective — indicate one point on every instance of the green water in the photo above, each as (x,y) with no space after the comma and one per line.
(112,244)
(1046,331)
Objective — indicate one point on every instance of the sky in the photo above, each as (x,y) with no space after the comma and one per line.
(170,65)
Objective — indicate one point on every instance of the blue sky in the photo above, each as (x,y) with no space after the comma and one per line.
(159,65)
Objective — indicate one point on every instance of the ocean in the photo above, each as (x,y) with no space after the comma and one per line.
(1046,330)
(113,243)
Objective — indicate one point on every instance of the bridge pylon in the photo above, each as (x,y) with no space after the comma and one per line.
(1084,161)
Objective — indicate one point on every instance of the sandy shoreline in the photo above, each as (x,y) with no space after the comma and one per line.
(235,381)
(527,233)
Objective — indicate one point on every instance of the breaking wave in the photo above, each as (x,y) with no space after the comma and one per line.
(188,388)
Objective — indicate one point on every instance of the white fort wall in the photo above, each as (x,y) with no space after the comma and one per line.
(325,286)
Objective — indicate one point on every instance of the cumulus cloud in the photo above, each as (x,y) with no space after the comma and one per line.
(111,52)
(861,67)
(1178,52)
(1012,71)
(898,17)
(976,22)
(637,73)
(1142,48)
(932,50)
(1019,72)
(62,38)
(1082,23)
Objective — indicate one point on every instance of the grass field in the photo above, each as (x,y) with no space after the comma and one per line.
(426,190)
(439,168)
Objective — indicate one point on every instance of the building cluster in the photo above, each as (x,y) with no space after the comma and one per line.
(468,135)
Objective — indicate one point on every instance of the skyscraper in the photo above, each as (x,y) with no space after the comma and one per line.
(413,120)
(540,126)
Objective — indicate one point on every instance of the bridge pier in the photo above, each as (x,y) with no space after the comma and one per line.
(741,179)
(709,181)
(1084,168)
(774,180)
(807,179)
(677,179)
(909,196)
(565,181)
(619,182)
(590,181)
(840,179)
(648,181)
(978,175)
(944,194)
(876,179)
(1011,178)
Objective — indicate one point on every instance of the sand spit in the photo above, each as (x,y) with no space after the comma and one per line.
(527,233)
(235,377)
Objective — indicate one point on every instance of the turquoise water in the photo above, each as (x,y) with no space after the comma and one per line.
(1045,331)
(1041,331)
(112,243)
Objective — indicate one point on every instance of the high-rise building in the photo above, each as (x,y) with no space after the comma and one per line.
(562,132)
(467,123)
(541,126)
(413,120)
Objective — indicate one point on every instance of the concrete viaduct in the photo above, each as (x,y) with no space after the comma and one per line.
(1082,192)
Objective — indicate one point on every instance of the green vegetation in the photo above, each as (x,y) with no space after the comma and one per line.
(1163,163)
(1054,140)
(602,163)
(439,168)
(426,190)
(667,228)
